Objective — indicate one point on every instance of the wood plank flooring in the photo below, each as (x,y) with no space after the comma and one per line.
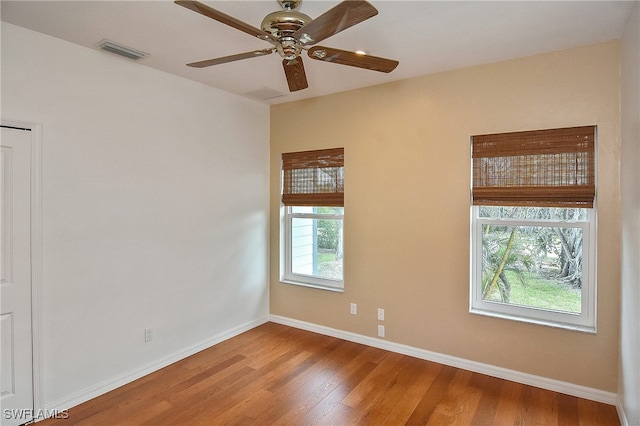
(277,375)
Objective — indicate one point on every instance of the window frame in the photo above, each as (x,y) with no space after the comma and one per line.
(288,276)
(585,321)
(536,168)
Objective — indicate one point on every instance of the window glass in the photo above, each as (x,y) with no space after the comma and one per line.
(315,246)
(533,263)
(534,266)
(542,213)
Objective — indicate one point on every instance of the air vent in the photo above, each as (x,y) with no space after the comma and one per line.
(118,49)
(265,94)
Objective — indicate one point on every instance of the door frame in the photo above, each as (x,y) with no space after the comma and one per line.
(36,254)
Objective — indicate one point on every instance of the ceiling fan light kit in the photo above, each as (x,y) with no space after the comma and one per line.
(291,32)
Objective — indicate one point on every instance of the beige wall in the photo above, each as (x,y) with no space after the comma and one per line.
(407,206)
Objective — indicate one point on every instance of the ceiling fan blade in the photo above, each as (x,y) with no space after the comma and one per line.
(353,59)
(212,13)
(340,17)
(231,58)
(296,77)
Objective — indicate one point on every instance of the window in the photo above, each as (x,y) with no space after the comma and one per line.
(313,196)
(533,227)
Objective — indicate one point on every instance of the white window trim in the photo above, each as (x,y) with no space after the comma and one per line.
(585,321)
(287,276)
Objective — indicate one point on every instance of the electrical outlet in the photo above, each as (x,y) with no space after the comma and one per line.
(148,335)
(354,309)
(380,314)
(381,331)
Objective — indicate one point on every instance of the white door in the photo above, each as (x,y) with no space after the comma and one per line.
(16,397)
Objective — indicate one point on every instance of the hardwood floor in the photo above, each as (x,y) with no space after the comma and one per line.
(277,375)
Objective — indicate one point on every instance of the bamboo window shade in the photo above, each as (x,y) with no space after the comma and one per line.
(541,168)
(313,178)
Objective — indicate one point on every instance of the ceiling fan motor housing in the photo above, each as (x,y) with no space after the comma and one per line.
(283,24)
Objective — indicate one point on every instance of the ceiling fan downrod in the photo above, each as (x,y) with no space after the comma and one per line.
(289,4)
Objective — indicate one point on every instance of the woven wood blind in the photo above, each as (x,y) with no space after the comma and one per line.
(313,178)
(542,168)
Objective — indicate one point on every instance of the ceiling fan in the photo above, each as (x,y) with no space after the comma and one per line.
(292,32)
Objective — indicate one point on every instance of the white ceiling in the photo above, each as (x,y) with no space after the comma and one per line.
(425,36)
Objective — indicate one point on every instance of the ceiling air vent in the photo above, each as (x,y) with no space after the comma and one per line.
(265,94)
(118,49)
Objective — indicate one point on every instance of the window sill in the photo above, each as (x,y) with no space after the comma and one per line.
(316,286)
(547,323)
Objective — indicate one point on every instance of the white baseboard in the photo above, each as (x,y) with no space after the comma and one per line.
(477,367)
(109,385)
(621,414)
